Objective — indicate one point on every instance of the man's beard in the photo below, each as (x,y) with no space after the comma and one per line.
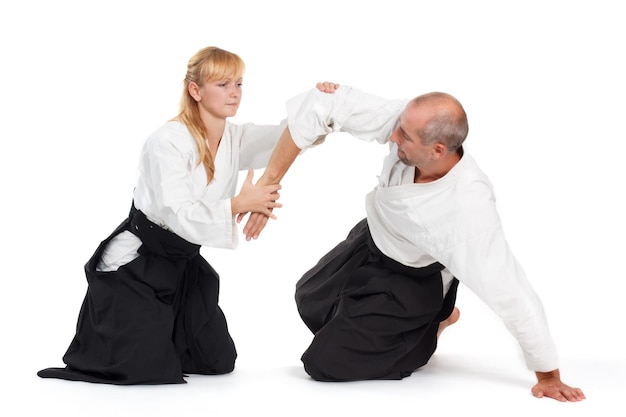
(402,157)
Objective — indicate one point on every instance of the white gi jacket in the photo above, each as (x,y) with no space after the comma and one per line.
(172,188)
(452,220)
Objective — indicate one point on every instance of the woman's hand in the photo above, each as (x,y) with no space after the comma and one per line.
(255,224)
(255,198)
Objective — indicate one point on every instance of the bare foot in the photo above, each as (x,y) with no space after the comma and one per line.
(452,318)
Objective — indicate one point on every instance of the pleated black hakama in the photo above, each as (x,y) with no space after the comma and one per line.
(153,320)
(372,317)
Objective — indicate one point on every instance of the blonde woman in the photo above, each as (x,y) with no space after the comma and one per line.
(151,312)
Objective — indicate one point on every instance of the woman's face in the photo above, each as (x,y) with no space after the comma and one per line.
(220,98)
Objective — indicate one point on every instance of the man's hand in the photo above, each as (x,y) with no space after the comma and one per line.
(327,87)
(549,384)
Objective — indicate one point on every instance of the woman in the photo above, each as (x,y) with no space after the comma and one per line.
(151,311)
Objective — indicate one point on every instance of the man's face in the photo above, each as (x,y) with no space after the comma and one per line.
(411,150)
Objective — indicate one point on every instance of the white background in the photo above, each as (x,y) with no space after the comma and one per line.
(82,83)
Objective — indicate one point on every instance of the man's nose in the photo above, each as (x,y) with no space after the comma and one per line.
(395,136)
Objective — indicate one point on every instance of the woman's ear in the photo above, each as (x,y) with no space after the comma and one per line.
(194,91)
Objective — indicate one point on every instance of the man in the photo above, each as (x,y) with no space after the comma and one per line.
(379,300)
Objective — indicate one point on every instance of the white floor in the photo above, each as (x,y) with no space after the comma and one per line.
(487,384)
(452,384)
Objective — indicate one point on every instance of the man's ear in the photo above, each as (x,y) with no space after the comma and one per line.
(194,91)
(439,150)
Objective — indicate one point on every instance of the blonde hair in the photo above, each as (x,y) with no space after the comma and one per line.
(208,64)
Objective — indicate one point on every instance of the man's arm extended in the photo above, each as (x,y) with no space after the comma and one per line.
(285,152)
(283,156)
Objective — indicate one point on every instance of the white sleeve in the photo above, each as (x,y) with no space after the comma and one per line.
(257,144)
(364,116)
(487,266)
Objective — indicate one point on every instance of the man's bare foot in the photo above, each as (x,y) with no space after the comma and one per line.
(452,318)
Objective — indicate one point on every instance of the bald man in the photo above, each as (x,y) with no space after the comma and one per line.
(378,301)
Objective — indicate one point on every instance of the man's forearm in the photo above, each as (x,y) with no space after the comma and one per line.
(283,156)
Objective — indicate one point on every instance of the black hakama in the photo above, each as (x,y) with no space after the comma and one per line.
(153,320)
(372,317)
